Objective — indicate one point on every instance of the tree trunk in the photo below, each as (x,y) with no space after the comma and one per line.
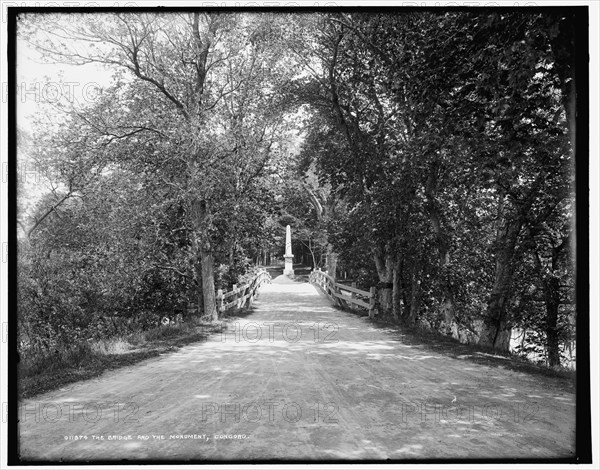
(384,263)
(415,300)
(312,254)
(200,293)
(496,332)
(208,282)
(331,261)
(397,290)
(443,247)
(448,314)
(552,297)
(205,263)
(495,315)
(551,285)
(231,255)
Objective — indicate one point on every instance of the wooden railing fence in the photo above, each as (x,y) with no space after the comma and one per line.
(242,296)
(344,296)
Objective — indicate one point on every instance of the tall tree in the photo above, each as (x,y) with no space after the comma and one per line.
(215,79)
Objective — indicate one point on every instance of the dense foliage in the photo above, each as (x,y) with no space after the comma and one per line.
(448,138)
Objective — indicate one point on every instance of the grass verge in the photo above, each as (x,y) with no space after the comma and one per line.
(439,343)
(42,374)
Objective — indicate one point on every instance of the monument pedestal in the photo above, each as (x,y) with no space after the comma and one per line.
(289,265)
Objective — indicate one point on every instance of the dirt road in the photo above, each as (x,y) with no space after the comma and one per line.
(298,379)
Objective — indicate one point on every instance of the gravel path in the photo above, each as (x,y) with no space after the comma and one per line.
(298,379)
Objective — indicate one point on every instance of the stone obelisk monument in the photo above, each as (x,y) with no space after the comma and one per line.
(289,266)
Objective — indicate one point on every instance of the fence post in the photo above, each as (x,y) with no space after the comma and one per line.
(254,285)
(343,303)
(373,292)
(249,293)
(354,286)
(334,290)
(234,296)
(220,300)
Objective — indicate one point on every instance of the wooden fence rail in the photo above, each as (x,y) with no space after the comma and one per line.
(342,295)
(242,296)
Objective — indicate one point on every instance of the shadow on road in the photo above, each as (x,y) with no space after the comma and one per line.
(450,347)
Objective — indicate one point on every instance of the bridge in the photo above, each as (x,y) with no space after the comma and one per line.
(297,378)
